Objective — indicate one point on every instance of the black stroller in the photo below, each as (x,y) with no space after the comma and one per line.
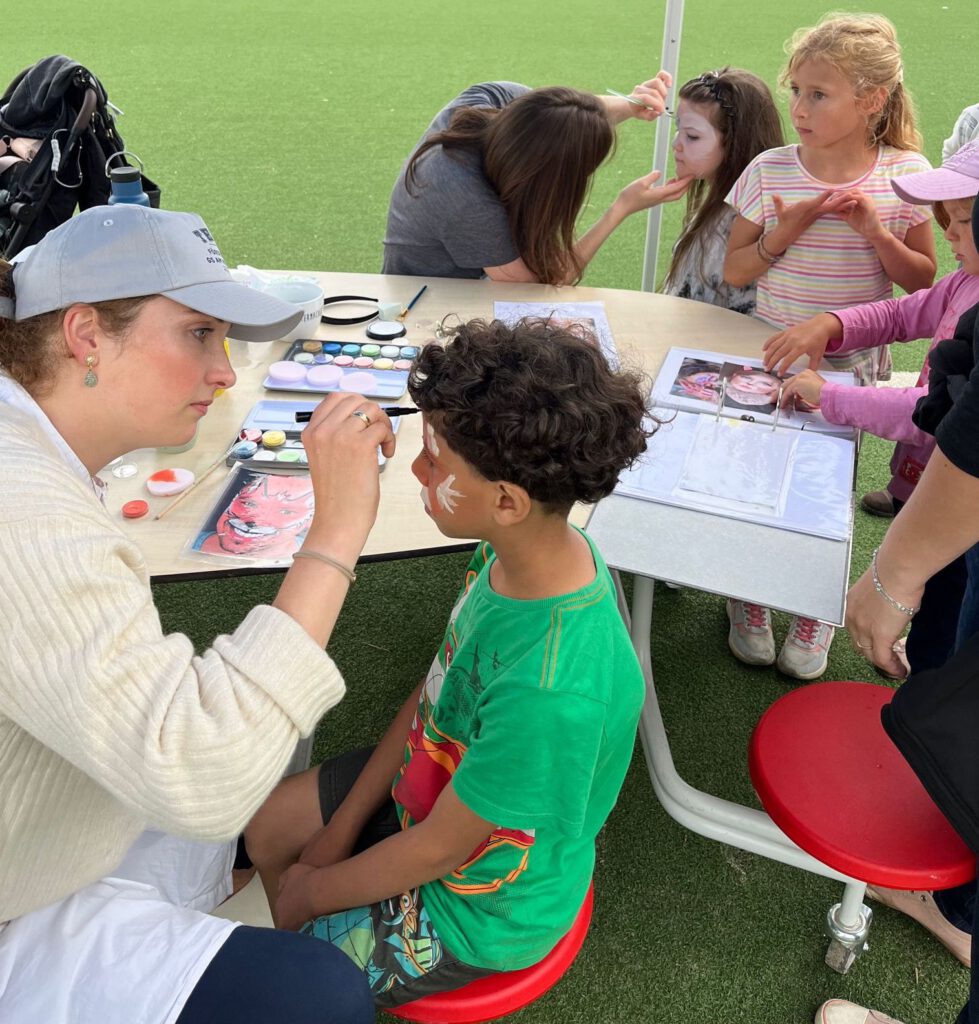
(57,142)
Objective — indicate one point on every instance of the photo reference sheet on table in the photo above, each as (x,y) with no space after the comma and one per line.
(797,480)
(739,388)
(590,315)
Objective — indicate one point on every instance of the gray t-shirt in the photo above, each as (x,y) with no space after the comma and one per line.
(452,224)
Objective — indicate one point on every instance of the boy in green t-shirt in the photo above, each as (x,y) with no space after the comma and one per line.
(508,758)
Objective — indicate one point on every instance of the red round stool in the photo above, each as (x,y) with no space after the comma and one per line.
(499,994)
(835,784)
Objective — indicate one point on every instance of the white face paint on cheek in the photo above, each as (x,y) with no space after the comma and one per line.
(703,149)
(426,501)
(445,495)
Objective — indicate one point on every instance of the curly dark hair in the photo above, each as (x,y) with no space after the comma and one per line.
(535,404)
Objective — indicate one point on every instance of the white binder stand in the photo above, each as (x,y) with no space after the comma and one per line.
(653,541)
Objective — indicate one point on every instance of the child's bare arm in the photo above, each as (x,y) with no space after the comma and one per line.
(745,262)
(429,850)
(909,264)
(335,840)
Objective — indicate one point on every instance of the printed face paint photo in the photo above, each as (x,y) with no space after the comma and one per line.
(259,515)
(697,146)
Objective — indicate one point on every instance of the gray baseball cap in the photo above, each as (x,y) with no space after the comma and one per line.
(125,251)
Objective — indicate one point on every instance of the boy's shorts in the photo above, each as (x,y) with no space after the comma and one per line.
(394,942)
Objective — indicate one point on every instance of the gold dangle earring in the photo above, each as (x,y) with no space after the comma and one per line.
(90,378)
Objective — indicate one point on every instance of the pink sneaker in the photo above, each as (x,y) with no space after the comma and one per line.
(750,637)
(842,1011)
(806,648)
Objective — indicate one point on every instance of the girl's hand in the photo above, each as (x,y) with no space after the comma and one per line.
(653,94)
(806,386)
(293,907)
(643,193)
(809,339)
(860,213)
(795,219)
(342,452)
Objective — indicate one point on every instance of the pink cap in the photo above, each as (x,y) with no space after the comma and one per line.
(957,178)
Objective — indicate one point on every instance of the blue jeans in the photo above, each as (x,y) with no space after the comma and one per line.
(261,975)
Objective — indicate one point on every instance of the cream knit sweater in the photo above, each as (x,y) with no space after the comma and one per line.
(106,724)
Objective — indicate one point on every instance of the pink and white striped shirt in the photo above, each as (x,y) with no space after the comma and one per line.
(830,266)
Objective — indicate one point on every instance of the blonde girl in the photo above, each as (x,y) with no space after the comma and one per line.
(724,119)
(819,227)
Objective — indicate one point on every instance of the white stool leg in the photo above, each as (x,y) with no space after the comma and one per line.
(847,926)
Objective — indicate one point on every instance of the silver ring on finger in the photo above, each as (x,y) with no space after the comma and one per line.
(361,415)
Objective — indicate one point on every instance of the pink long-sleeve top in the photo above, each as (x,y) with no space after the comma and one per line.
(931,312)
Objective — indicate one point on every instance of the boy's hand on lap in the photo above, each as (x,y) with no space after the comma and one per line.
(293,907)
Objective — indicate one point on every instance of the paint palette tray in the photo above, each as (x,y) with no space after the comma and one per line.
(366,368)
(271,438)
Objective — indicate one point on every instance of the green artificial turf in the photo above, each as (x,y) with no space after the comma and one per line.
(284,125)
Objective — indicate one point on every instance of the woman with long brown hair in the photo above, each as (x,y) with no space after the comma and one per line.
(497,182)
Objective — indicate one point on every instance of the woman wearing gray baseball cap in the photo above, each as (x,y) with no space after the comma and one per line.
(111,339)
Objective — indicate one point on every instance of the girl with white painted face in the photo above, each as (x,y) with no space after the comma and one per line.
(724,119)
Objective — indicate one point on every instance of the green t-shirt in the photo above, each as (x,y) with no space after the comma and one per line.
(530,710)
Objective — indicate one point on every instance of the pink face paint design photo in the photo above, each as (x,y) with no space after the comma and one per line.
(445,495)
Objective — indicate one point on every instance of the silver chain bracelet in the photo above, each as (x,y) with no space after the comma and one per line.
(879,587)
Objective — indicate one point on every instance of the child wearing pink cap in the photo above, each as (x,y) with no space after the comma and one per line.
(930,312)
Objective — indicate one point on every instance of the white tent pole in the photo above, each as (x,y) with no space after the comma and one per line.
(670,61)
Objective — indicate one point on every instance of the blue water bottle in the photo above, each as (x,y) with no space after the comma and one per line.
(127,187)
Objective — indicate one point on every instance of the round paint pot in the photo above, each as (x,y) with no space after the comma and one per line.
(390,351)
(409,351)
(324,376)
(261,456)
(332,348)
(351,350)
(383,364)
(360,381)
(313,346)
(363,362)
(250,434)
(385,330)
(287,372)
(323,359)
(343,361)
(273,438)
(167,482)
(402,364)
(303,358)
(287,455)
(124,470)
(370,350)
(135,509)
(245,449)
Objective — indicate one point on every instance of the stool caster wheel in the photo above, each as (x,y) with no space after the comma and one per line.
(847,941)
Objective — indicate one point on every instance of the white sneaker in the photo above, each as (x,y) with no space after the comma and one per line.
(842,1011)
(750,636)
(806,648)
